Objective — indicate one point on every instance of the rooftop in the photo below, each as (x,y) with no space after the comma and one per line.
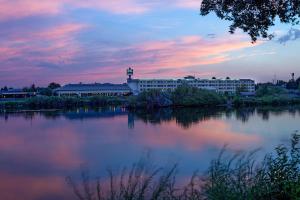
(191,78)
(14,91)
(93,87)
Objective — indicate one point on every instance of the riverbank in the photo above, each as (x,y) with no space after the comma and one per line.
(183,96)
(265,101)
(55,102)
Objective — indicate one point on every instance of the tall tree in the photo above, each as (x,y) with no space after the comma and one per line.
(53,86)
(4,88)
(32,88)
(254,17)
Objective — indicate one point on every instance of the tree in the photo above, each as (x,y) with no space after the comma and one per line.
(268,90)
(45,91)
(292,85)
(53,85)
(26,89)
(241,89)
(254,17)
(298,81)
(32,88)
(186,95)
(4,88)
(281,83)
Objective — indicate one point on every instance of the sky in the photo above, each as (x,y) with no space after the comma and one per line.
(72,41)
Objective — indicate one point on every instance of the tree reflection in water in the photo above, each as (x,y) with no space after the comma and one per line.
(184,117)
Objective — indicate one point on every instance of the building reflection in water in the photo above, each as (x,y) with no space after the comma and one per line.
(185,117)
(130,120)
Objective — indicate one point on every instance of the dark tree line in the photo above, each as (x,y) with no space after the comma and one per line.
(291,84)
(254,17)
(47,91)
(5,88)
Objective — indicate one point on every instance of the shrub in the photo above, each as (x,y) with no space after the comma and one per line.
(190,96)
(184,95)
(270,91)
(154,98)
(243,177)
(238,177)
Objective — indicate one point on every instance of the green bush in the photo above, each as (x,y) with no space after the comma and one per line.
(190,96)
(267,95)
(243,177)
(270,91)
(55,102)
(154,98)
(52,102)
(182,96)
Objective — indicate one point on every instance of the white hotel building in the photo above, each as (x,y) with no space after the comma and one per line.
(136,86)
(219,85)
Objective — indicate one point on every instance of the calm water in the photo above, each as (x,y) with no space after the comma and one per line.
(38,150)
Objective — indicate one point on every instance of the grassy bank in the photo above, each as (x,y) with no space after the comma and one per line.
(271,100)
(268,95)
(237,177)
(55,102)
(183,96)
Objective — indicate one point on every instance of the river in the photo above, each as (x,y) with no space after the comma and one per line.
(39,149)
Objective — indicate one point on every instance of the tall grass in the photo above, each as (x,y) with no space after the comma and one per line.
(243,177)
(240,176)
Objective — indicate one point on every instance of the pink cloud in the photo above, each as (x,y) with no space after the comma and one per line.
(32,53)
(59,47)
(187,51)
(11,9)
(169,57)
(15,9)
(115,6)
(192,4)
(60,31)
(51,45)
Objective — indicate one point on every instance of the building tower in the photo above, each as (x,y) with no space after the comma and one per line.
(293,76)
(133,84)
(129,72)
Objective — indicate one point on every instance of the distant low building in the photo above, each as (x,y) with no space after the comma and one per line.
(16,94)
(218,85)
(85,90)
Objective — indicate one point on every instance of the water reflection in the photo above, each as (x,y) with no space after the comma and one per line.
(184,117)
(38,149)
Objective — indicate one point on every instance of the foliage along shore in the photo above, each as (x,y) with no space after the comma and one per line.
(234,176)
(183,96)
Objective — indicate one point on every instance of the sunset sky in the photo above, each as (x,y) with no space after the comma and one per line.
(96,40)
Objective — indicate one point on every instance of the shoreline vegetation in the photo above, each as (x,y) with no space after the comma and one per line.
(183,96)
(236,176)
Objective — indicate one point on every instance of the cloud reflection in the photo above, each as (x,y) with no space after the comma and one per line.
(38,150)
